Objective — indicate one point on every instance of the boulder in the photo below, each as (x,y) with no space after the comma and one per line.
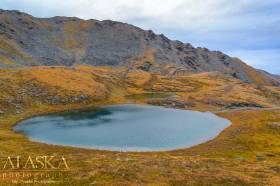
(18,112)
(260,158)
(274,125)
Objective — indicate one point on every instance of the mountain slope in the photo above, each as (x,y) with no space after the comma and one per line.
(61,41)
(87,84)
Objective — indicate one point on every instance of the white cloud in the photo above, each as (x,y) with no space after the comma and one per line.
(192,15)
(180,13)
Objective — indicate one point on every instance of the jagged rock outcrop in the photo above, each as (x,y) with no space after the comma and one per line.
(29,41)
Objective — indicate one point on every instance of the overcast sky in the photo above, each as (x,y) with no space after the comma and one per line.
(248,29)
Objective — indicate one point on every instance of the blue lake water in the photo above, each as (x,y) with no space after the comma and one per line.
(125,128)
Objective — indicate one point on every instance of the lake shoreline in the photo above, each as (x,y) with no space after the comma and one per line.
(156,109)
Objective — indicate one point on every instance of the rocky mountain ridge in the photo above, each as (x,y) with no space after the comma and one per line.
(67,41)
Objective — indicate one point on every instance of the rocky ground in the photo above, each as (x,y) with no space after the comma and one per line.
(59,64)
(246,153)
(86,84)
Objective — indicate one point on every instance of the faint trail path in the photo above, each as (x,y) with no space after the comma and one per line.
(246,108)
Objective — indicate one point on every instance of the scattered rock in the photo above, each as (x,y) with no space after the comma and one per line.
(18,112)
(2,112)
(260,158)
(243,104)
(275,125)
(9,101)
(275,168)
(83,97)
(18,106)
(169,103)
(55,100)
(145,66)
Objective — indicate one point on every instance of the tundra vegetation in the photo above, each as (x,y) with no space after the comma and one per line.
(59,64)
(246,153)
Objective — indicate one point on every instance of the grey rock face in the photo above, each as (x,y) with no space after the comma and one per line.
(30,41)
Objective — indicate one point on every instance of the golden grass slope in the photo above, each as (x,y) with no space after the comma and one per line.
(247,153)
(210,91)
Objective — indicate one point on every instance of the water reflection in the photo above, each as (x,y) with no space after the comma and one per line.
(125,127)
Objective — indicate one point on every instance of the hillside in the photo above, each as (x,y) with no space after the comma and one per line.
(62,64)
(83,84)
(64,41)
(251,143)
